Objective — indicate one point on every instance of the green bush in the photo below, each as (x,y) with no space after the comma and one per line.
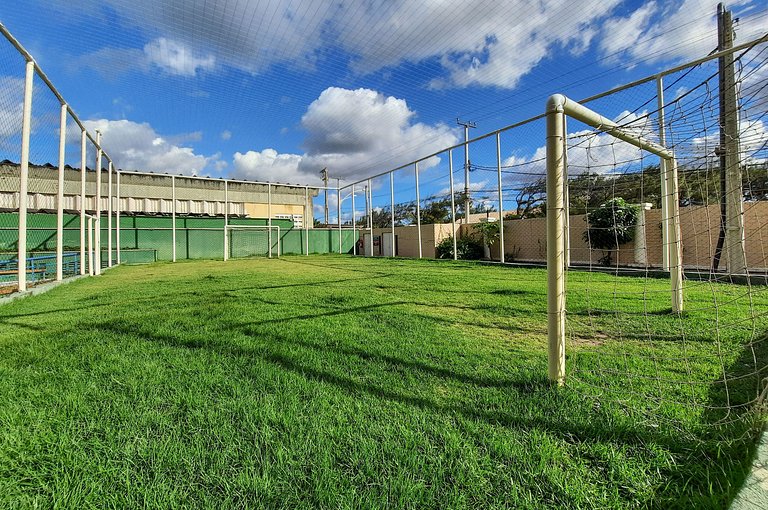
(466,247)
(611,225)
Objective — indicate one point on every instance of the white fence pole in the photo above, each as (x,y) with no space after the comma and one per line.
(226,221)
(338,209)
(109,213)
(91,254)
(26,129)
(369,201)
(418,205)
(392,205)
(307,218)
(173,217)
(83,167)
(501,199)
(60,195)
(117,218)
(97,227)
(354,227)
(269,218)
(453,204)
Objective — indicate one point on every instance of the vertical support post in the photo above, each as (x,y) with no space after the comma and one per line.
(109,213)
(734,243)
(369,199)
(676,253)
(83,167)
(354,227)
(226,221)
(566,198)
(173,217)
(666,230)
(117,218)
(97,226)
(555,242)
(453,204)
(418,205)
(26,129)
(307,219)
(338,209)
(60,195)
(392,206)
(501,199)
(269,217)
(91,251)
(641,242)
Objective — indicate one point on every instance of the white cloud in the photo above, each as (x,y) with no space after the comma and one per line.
(377,132)
(672,31)
(177,58)
(11,111)
(226,135)
(137,146)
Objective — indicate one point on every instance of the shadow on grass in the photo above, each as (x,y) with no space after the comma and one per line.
(705,472)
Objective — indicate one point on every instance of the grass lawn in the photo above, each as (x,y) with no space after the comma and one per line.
(339,382)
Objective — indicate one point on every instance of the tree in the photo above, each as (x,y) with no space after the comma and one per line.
(611,225)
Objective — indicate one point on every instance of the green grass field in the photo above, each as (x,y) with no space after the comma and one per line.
(335,382)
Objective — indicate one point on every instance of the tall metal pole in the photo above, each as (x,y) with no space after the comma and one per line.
(324,173)
(91,251)
(97,226)
(226,221)
(109,214)
(83,166)
(338,209)
(173,217)
(60,195)
(117,218)
(354,227)
(418,205)
(666,230)
(369,200)
(467,199)
(26,129)
(269,218)
(501,198)
(453,204)
(392,206)
(307,219)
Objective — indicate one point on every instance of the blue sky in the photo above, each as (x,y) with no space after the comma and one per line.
(277,90)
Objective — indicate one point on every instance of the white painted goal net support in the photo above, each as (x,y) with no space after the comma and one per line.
(558,107)
(272,239)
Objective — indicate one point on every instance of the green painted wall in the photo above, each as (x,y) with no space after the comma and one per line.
(151,236)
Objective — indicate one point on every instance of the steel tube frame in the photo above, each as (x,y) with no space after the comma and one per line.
(418,206)
(91,253)
(173,217)
(97,231)
(117,217)
(60,195)
(392,209)
(354,227)
(256,227)
(665,184)
(558,107)
(369,200)
(26,129)
(453,203)
(307,219)
(501,198)
(338,210)
(109,213)
(83,170)
(269,219)
(226,220)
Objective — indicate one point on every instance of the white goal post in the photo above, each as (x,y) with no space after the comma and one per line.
(558,106)
(229,229)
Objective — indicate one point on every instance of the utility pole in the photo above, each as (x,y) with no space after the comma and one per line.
(467,125)
(324,173)
(731,239)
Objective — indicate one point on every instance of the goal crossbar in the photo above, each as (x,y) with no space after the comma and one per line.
(269,228)
(558,107)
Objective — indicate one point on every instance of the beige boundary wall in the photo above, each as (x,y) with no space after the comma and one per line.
(525,240)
